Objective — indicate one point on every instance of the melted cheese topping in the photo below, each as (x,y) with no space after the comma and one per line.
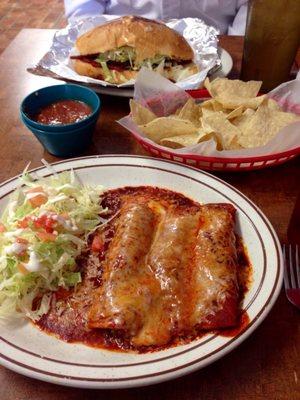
(169,259)
(167,271)
(124,298)
(216,261)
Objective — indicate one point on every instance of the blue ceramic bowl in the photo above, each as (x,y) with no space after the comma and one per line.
(65,144)
(32,104)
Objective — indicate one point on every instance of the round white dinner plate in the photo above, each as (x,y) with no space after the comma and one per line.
(31,352)
(225,68)
(226,65)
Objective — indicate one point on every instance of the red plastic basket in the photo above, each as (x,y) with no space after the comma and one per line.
(217,163)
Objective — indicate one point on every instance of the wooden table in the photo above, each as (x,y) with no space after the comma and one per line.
(267,365)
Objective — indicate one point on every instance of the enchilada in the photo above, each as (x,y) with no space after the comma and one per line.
(167,272)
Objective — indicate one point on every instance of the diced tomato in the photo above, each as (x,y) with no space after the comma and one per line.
(21,240)
(40,221)
(45,222)
(22,269)
(24,222)
(38,200)
(2,228)
(97,244)
(49,223)
(46,236)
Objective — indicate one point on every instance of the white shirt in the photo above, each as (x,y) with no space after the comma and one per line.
(229,16)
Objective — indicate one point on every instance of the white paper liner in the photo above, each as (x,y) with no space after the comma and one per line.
(168,97)
(202,38)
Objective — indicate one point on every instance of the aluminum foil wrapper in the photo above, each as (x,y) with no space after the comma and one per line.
(56,62)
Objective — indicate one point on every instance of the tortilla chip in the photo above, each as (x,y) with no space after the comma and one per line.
(191,112)
(207,85)
(207,103)
(165,127)
(235,113)
(232,87)
(206,112)
(263,125)
(204,134)
(273,105)
(234,145)
(217,106)
(231,94)
(243,118)
(211,135)
(235,117)
(212,104)
(224,129)
(233,101)
(177,142)
(177,112)
(140,114)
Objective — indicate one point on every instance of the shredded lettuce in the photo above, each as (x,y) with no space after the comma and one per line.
(127,53)
(23,210)
(106,71)
(160,68)
(160,63)
(121,54)
(44,228)
(151,62)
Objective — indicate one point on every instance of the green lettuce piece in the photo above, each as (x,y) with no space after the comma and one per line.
(72,278)
(121,54)
(23,210)
(127,53)
(107,74)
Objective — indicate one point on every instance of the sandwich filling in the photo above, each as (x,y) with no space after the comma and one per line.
(125,59)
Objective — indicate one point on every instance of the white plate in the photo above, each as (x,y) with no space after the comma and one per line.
(225,68)
(226,64)
(33,353)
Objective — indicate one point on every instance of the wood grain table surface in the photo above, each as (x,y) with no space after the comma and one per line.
(266,365)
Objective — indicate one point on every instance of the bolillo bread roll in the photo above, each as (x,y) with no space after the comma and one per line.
(117,50)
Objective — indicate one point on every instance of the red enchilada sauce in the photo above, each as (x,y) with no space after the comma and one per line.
(63,112)
(67,317)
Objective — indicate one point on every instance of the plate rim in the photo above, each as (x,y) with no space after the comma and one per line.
(193,365)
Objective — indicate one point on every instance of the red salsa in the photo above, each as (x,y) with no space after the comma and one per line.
(63,112)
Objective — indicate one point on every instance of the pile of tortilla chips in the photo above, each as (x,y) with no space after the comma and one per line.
(235,117)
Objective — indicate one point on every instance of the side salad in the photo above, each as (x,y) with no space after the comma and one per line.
(43,229)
